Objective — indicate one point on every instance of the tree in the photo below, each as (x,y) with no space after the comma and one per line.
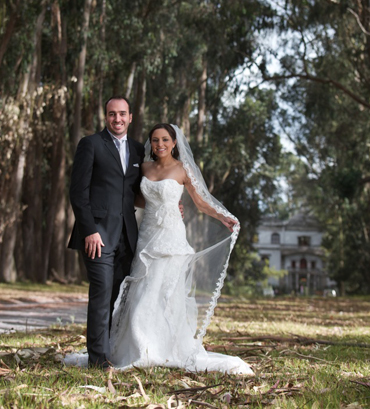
(176,61)
(324,88)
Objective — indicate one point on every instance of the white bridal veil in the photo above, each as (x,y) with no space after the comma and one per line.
(212,241)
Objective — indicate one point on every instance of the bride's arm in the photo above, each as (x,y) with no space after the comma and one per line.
(139,200)
(206,208)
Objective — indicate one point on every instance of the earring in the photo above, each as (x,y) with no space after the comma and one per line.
(173,151)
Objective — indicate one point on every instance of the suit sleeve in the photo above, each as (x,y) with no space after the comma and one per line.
(141,152)
(79,191)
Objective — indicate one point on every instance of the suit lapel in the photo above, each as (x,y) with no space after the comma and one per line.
(133,157)
(108,141)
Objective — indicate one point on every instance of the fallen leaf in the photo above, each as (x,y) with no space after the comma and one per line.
(95,388)
(111,388)
(145,396)
(226,397)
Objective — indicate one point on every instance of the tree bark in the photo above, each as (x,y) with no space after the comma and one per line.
(185,123)
(76,132)
(130,80)
(101,71)
(202,104)
(9,30)
(7,270)
(30,83)
(55,231)
(32,215)
(32,77)
(139,108)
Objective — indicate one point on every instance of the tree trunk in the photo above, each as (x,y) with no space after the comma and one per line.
(100,107)
(32,76)
(32,215)
(9,30)
(55,231)
(185,123)
(164,110)
(7,270)
(30,83)
(130,80)
(54,235)
(202,104)
(139,108)
(76,132)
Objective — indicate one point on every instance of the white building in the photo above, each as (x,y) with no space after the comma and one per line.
(295,246)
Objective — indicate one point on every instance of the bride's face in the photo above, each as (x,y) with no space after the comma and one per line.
(162,143)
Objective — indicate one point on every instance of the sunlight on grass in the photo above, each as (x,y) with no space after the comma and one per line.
(27,287)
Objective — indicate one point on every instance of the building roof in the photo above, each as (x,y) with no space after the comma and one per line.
(299,221)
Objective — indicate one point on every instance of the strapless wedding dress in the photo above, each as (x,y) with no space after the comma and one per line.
(155,315)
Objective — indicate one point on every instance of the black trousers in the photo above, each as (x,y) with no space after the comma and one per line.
(105,275)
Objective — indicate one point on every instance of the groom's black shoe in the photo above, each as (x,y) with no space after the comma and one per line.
(105,366)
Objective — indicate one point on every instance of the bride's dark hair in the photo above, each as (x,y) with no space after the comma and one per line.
(172,133)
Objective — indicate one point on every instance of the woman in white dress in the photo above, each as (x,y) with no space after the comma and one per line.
(166,304)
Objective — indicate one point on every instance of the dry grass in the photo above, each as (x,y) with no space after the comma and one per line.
(276,336)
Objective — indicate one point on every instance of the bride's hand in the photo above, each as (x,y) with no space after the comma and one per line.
(229,223)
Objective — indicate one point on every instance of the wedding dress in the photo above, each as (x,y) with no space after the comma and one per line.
(155,316)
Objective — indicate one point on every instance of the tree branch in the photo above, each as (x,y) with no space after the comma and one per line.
(328,81)
(357,17)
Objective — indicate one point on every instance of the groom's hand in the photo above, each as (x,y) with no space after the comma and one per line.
(93,245)
(181,208)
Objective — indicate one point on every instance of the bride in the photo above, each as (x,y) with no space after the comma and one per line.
(156,320)
(166,304)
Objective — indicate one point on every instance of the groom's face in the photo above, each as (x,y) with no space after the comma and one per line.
(118,117)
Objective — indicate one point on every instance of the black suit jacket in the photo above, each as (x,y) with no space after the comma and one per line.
(102,196)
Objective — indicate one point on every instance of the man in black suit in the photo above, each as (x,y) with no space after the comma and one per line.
(105,179)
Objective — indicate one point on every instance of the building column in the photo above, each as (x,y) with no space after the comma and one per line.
(308,283)
(297,283)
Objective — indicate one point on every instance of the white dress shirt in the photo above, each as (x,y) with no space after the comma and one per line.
(122,147)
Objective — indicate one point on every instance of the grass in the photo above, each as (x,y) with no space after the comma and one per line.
(291,371)
(8,289)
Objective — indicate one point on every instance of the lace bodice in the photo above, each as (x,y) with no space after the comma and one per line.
(162,201)
(162,231)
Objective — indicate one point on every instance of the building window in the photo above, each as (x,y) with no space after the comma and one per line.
(304,241)
(265,258)
(303,264)
(275,238)
(293,264)
(313,265)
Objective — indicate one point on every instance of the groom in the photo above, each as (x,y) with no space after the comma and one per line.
(105,178)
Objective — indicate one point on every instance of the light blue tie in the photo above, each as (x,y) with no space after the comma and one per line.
(122,153)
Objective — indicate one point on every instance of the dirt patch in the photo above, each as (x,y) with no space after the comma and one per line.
(31,310)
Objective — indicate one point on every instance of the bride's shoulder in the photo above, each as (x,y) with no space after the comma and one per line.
(179,166)
(146,165)
(180,171)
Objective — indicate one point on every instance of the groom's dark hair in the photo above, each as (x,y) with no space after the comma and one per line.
(117,97)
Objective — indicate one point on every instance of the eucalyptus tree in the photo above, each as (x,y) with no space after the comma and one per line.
(177,60)
(322,73)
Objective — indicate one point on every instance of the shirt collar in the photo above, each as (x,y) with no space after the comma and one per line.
(124,138)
